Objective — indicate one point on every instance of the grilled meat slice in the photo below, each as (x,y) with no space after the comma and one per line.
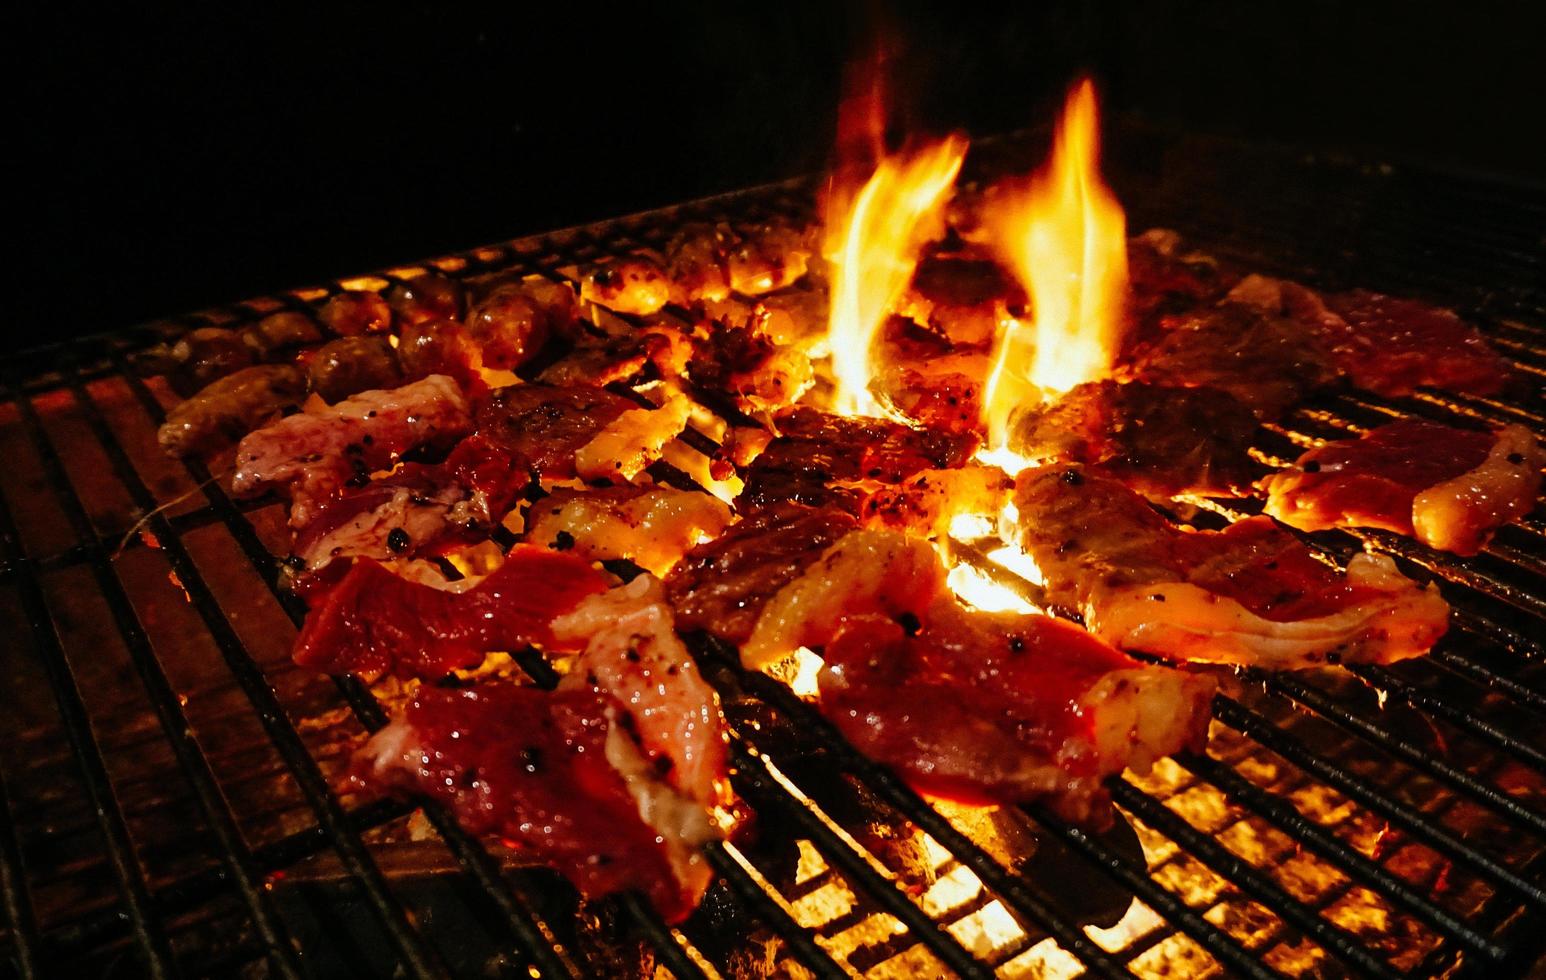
(351,365)
(415,511)
(534,768)
(652,527)
(1165,278)
(962,300)
(374,622)
(600,361)
(355,312)
(815,450)
(749,366)
(768,257)
(631,652)
(1450,488)
(1006,708)
(1268,362)
(865,572)
(311,455)
(227,409)
(1398,345)
(634,284)
(924,504)
(721,587)
(1160,440)
(523,432)
(1250,594)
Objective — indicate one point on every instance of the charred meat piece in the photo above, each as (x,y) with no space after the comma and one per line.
(532,768)
(430,296)
(356,312)
(374,622)
(228,409)
(311,455)
(351,365)
(1398,345)
(1006,708)
(427,347)
(963,300)
(1160,440)
(600,361)
(758,373)
(1251,594)
(280,333)
(865,572)
(1450,488)
(787,318)
(721,587)
(1267,362)
(815,449)
(652,527)
(635,284)
(515,319)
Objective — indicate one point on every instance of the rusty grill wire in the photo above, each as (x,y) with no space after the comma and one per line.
(165,796)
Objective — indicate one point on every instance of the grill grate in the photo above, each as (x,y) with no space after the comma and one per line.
(165,780)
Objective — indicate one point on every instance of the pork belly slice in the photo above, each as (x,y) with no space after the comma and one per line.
(1449,488)
(750,365)
(1399,345)
(1006,708)
(1158,439)
(721,586)
(374,622)
(814,450)
(1251,594)
(310,456)
(924,504)
(536,769)
(650,526)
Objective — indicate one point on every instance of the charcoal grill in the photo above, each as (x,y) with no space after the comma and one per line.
(165,772)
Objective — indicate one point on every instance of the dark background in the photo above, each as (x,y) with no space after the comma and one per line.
(177,158)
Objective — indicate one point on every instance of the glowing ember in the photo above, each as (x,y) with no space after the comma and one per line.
(977,590)
(1065,237)
(873,239)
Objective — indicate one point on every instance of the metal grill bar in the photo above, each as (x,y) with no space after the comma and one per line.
(19,916)
(149,933)
(419,960)
(766,783)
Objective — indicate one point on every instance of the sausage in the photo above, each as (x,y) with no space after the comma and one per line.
(231,407)
(355,312)
(353,364)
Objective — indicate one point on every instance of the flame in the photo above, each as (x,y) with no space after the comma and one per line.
(873,238)
(1065,238)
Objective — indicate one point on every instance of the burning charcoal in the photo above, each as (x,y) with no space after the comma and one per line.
(351,365)
(355,312)
(430,296)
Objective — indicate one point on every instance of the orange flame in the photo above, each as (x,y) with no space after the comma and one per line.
(873,239)
(1065,238)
